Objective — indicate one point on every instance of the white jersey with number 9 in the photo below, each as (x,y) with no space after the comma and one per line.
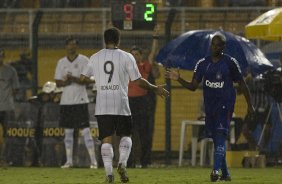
(112,70)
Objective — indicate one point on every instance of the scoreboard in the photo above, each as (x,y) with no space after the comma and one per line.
(134,15)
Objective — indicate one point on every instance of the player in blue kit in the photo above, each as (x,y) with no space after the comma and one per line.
(218,72)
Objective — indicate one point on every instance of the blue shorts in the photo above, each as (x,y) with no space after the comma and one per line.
(218,122)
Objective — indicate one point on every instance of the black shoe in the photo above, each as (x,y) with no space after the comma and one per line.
(110,179)
(214,176)
(225,178)
(122,173)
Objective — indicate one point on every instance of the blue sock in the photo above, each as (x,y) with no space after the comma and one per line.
(224,168)
(219,152)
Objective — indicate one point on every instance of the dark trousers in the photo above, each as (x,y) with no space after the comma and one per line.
(152,103)
(140,131)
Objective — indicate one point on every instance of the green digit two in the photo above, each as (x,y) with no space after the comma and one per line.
(148,14)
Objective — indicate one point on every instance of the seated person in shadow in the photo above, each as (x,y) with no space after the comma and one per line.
(261,101)
(49,96)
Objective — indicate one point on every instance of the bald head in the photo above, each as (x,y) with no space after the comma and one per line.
(220,36)
(217,44)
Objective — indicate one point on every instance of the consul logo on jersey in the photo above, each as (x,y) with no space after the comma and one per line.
(214,84)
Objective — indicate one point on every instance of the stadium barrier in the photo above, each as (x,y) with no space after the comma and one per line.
(33,135)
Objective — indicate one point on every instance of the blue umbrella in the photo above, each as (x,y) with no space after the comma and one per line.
(184,51)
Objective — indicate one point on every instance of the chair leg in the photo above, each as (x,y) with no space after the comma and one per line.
(203,152)
(182,142)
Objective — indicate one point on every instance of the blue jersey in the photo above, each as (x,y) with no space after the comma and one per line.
(218,78)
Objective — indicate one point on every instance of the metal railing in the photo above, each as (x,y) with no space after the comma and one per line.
(15,29)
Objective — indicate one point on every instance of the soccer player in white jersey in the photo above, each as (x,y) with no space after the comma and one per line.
(74,101)
(112,69)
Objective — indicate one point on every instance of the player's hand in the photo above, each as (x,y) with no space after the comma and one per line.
(67,82)
(70,77)
(172,74)
(162,91)
(73,79)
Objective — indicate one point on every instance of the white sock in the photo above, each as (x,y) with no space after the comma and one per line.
(107,156)
(88,140)
(124,150)
(69,144)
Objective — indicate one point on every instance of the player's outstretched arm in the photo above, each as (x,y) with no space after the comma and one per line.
(160,90)
(174,75)
(154,46)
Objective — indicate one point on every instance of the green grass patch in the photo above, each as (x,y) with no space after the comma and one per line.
(169,175)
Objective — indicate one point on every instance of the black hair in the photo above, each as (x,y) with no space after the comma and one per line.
(71,39)
(112,36)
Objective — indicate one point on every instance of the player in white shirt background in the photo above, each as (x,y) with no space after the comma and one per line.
(74,101)
(112,69)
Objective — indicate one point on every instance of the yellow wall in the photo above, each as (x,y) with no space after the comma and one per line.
(11,55)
